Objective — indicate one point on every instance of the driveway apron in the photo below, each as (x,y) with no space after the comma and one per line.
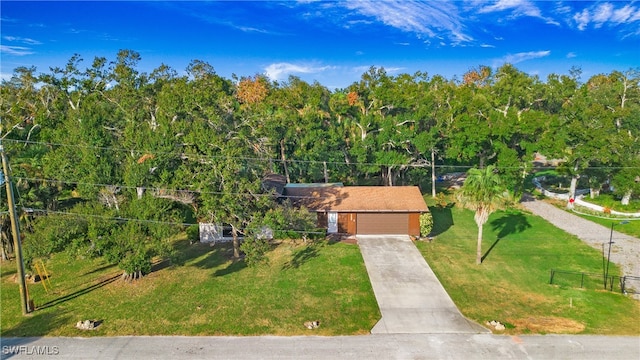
(410,297)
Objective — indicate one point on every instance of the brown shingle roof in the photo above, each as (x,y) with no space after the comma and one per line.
(359,198)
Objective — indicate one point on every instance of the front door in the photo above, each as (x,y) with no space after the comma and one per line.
(332,222)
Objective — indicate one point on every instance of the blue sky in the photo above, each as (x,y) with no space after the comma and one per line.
(332,42)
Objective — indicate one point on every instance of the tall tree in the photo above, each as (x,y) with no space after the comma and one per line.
(483,193)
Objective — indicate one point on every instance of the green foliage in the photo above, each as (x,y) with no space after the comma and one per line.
(289,222)
(207,147)
(255,250)
(426,224)
(136,261)
(483,193)
(193,233)
(52,234)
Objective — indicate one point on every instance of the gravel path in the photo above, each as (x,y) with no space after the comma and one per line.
(625,250)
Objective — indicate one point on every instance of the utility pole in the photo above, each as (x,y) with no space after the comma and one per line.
(433,173)
(15,230)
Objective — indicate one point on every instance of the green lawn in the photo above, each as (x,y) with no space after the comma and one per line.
(512,284)
(209,295)
(613,202)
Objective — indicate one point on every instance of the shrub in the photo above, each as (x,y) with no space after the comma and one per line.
(255,250)
(193,233)
(135,264)
(426,224)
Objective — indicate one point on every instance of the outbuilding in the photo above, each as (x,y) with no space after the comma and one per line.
(370,210)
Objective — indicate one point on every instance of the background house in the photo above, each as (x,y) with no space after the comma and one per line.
(362,209)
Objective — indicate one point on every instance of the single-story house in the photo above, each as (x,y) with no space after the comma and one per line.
(362,209)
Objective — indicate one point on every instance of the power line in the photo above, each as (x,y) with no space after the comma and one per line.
(201,157)
(125,219)
(165,191)
(211,157)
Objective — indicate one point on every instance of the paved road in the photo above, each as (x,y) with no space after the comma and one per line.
(410,297)
(382,346)
(625,250)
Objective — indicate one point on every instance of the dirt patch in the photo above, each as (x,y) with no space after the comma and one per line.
(548,324)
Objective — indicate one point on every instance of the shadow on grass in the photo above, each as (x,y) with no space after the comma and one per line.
(510,223)
(212,257)
(234,266)
(104,267)
(442,219)
(302,256)
(80,292)
(489,250)
(34,324)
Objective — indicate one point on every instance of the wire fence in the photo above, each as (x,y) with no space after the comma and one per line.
(623,284)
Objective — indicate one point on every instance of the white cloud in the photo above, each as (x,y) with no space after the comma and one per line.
(602,14)
(22,40)
(607,14)
(15,50)
(524,56)
(422,18)
(352,23)
(279,71)
(571,55)
(5,76)
(393,70)
(251,29)
(517,8)
(361,69)
(582,19)
(487,46)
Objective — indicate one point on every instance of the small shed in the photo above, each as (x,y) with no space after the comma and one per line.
(371,210)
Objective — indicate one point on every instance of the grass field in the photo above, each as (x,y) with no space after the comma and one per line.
(212,295)
(512,284)
(209,295)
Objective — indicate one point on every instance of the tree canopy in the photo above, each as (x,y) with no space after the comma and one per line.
(162,149)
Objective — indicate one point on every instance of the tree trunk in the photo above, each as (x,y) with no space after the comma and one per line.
(626,198)
(7,245)
(572,191)
(284,161)
(433,174)
(479,246)
(236,242)
(326,173)
(572,187)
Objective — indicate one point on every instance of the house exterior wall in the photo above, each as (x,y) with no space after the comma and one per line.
(414,224)
(347,223)
(374,223)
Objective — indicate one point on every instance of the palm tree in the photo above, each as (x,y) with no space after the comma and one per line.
(483,193)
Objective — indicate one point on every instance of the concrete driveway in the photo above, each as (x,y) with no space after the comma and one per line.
(410,297)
